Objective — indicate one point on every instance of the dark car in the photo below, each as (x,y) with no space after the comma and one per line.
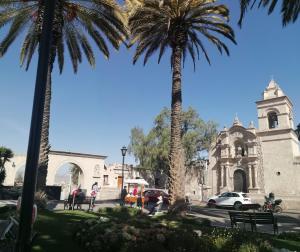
(151,196)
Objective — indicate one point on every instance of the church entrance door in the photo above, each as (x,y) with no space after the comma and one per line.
(239,180)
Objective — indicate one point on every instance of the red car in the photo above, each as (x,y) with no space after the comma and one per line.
(151,196)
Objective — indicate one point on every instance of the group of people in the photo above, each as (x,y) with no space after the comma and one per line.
(79,194)
(138,199)
(134,197)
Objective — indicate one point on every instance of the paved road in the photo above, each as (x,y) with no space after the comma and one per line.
(287,221)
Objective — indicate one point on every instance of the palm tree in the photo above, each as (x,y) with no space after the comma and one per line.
(102,20)
(289,9)
(5,156)
(178,24)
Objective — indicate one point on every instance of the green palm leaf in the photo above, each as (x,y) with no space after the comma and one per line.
(289,9)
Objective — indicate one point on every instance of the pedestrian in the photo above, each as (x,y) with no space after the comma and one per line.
(123,196)
(135,190)
(95,190)
(158,205)
(139,201)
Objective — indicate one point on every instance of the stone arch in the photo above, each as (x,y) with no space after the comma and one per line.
(273,119)
(68,175)
(239,180)
(70,162)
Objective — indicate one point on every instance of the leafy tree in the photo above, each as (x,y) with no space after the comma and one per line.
(101,20)
(289,8)
(5,156)
(151,150)
(178,24)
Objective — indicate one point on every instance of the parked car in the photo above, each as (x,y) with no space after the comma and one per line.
(229,199)
(151,196)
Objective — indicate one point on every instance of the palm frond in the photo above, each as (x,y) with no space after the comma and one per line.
(156,25)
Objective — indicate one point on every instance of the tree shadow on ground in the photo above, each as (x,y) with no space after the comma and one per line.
(55,230)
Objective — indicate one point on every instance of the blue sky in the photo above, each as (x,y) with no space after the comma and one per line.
(94,110)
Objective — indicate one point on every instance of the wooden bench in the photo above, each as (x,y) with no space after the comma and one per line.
(77,201)
(253,218)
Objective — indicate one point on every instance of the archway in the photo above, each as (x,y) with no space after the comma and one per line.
(68,176)
(239,181)
(19,177)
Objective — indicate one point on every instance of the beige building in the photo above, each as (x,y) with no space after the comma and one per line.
(259,160)
(90,168)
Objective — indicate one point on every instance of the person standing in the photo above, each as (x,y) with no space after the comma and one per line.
(135,190)
(95,190)
(123,196)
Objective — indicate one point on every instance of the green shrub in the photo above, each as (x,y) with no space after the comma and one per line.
(248,247)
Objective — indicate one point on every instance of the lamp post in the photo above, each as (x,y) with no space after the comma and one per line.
(123,151)
(24,237)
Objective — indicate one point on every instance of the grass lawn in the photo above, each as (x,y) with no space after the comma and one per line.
(55,230)
(287,244)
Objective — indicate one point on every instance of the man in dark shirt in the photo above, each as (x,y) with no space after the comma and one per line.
(123,196)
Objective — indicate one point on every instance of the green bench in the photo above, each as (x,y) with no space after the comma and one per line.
(253,218)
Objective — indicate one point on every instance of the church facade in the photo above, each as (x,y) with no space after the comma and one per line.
(259,160)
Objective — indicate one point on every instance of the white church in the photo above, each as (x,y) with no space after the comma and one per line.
(259,160)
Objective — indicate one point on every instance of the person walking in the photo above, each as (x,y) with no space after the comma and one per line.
(123,196)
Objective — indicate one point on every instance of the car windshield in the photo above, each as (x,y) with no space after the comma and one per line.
(224,194)
(244,195)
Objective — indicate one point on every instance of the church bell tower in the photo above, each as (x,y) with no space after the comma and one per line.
(277,137)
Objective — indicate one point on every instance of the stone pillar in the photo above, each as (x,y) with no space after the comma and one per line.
(222,177)
(250,176)
(225,175)
(254,176)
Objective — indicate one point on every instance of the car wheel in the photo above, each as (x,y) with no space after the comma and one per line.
(237,205)
(211,203)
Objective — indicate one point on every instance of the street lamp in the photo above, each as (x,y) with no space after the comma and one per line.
(123,151)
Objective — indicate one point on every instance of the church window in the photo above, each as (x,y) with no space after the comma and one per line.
(273,120)
(105,179)
(240,149)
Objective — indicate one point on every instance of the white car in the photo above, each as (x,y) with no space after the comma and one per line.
(229,199)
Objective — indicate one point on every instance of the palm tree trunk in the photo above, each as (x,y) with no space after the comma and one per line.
(177,168)
(45,146)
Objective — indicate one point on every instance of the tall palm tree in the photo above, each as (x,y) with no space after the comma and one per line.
(5,156)
(178,25)
(102,20)
(289,8)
